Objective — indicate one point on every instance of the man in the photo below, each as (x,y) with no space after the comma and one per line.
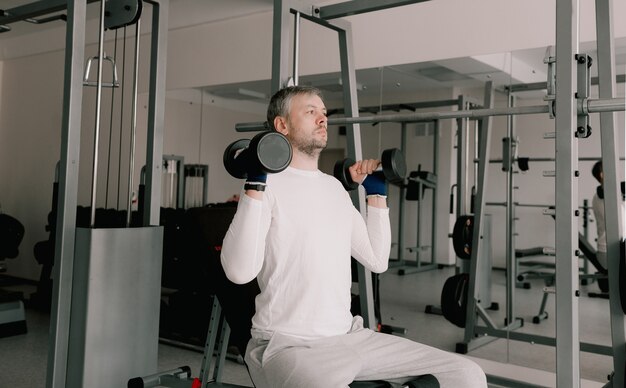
(597,203)
(295,231)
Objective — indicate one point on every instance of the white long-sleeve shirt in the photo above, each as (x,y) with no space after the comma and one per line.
(597,204)
(598,210)
(298,242)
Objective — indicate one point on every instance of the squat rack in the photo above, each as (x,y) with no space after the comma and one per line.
(567,109)
(568,112)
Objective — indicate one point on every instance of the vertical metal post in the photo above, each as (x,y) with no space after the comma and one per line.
(461,172)
(461,159)
(296,47)
(433,246)
(133,126)
(401,200)
(205,186)
(566,191)
(156,112)
(96,136)
(280,45)
(511,261)
(68,195)
(418,218)
(484,148)
(351,109)
(209,346)
(612,198)
(475,165)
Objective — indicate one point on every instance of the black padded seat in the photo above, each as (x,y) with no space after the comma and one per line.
(537,251)
(425,381)
(370,384)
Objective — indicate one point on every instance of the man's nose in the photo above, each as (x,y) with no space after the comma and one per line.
(322,119)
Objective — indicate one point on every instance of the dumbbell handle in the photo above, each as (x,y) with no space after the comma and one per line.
(378,168)
(391,163)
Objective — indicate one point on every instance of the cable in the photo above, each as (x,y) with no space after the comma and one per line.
(119,156)
(106,195)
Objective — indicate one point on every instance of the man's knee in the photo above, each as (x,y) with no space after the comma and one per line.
(473,373)
(461,372)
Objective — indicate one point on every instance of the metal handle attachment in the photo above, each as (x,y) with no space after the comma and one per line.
(113,84)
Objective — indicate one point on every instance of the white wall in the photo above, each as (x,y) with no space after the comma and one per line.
(30,137)
(239,50)
(429,31)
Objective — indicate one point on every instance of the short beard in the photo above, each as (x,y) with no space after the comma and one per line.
(312,148)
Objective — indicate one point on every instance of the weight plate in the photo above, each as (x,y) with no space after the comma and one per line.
(342,173)
(454,299)
(230,163)
(462,236)
(394,165)
(273,151)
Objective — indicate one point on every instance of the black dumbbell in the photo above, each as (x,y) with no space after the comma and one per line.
(392,165)
(268,152)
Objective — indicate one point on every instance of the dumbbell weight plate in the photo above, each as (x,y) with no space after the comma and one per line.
(454,299)
(235,169)
(462,237)
(273,151)
(342,172)
(394,165)
(267,152)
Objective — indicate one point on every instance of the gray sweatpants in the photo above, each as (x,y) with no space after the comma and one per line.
(361,354)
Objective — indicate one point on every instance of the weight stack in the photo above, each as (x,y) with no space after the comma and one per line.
(114,320)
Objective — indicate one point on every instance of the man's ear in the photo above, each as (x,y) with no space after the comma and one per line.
(280,123)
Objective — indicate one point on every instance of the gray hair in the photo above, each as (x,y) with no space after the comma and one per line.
(281,101)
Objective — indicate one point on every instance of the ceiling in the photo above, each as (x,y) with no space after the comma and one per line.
(503,69)
(379,83)
(182,13)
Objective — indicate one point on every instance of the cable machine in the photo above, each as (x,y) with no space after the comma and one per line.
(97,267)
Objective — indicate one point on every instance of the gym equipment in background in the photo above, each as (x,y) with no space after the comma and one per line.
(12,315)
(96,269)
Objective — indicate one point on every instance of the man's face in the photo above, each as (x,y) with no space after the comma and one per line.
(307,124)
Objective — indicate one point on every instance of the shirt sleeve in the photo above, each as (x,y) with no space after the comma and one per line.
(371,239)
(244,244)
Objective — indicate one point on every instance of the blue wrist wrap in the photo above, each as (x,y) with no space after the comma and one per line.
(375,184)
(256,177)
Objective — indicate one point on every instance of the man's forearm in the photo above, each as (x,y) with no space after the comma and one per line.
(254,194)
(377,201)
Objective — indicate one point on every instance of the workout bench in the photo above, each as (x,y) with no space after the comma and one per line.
(589,253)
